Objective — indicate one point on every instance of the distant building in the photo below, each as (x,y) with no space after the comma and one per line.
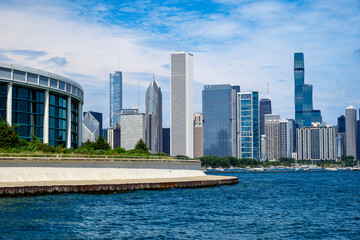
(272,133)
(265,108)
(132,128)
(114,137)
(279,137)
(350,132)
(115,98)
(99,117)
(248,126)
(316,142)
(294,135)
(341,124)
(153,118)
(90,128)
(263,147)
(198,135)
(166,140)
(219,120)
(358,138)
(340,145)
(304,112)
(181,104)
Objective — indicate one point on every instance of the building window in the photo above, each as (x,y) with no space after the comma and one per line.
(74,124)
(28,112)
(57,120)
(3,100)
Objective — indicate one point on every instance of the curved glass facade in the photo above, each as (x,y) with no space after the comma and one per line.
(28,112)
(38,103)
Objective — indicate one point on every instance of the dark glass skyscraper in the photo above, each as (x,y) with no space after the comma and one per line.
(341,124)
(304,112)
(115,98)
(219,120)
(153,118)
(265,108)
(166,140)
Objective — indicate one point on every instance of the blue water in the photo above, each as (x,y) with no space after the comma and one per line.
(282,205)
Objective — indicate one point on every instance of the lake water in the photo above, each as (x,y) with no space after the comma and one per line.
(283,205)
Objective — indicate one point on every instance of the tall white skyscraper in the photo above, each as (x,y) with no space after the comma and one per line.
(350,131)
(181,104)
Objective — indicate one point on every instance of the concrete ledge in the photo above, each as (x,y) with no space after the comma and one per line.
(44,187)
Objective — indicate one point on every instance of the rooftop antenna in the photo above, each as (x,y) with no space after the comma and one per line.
(138,96)
(268,95)
(119,63)
(153,76)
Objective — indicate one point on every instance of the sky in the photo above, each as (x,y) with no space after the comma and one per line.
(238,42)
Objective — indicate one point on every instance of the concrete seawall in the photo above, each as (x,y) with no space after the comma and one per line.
(24,176)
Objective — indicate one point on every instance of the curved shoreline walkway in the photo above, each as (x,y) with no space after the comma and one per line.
(103,186)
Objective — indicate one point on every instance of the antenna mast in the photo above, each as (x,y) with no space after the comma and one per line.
(268,90)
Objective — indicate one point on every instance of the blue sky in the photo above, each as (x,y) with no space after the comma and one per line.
(246,43)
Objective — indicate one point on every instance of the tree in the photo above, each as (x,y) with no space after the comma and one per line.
(141,145)
(9,138)
(101,144)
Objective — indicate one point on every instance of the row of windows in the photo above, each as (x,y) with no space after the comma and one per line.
(41,80)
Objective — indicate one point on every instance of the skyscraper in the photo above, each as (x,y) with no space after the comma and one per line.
(316,142)
(166,140)
(341,124)
(248,128)
(304,112)
(198,135)
(265,108)
(98,116)
(219,117)
(153,118)
(132,128)
(115,98)
(90,128)
(350,131)
(181,104)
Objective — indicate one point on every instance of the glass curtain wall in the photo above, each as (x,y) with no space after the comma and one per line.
(74,122)
(57,120)
(28,112)
(3,99)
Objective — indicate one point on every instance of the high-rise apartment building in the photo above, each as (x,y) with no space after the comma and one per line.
(279,138)
(153,118)
(265,108)
(248,126)
(132,128)
(350,132)
(115,98)
(181,104)
(219,117)
(304,112)
(198,135)
(316,142)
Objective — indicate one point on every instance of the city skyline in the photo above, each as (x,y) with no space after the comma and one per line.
(246,43)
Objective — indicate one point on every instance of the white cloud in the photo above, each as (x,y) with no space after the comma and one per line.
(229,47)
